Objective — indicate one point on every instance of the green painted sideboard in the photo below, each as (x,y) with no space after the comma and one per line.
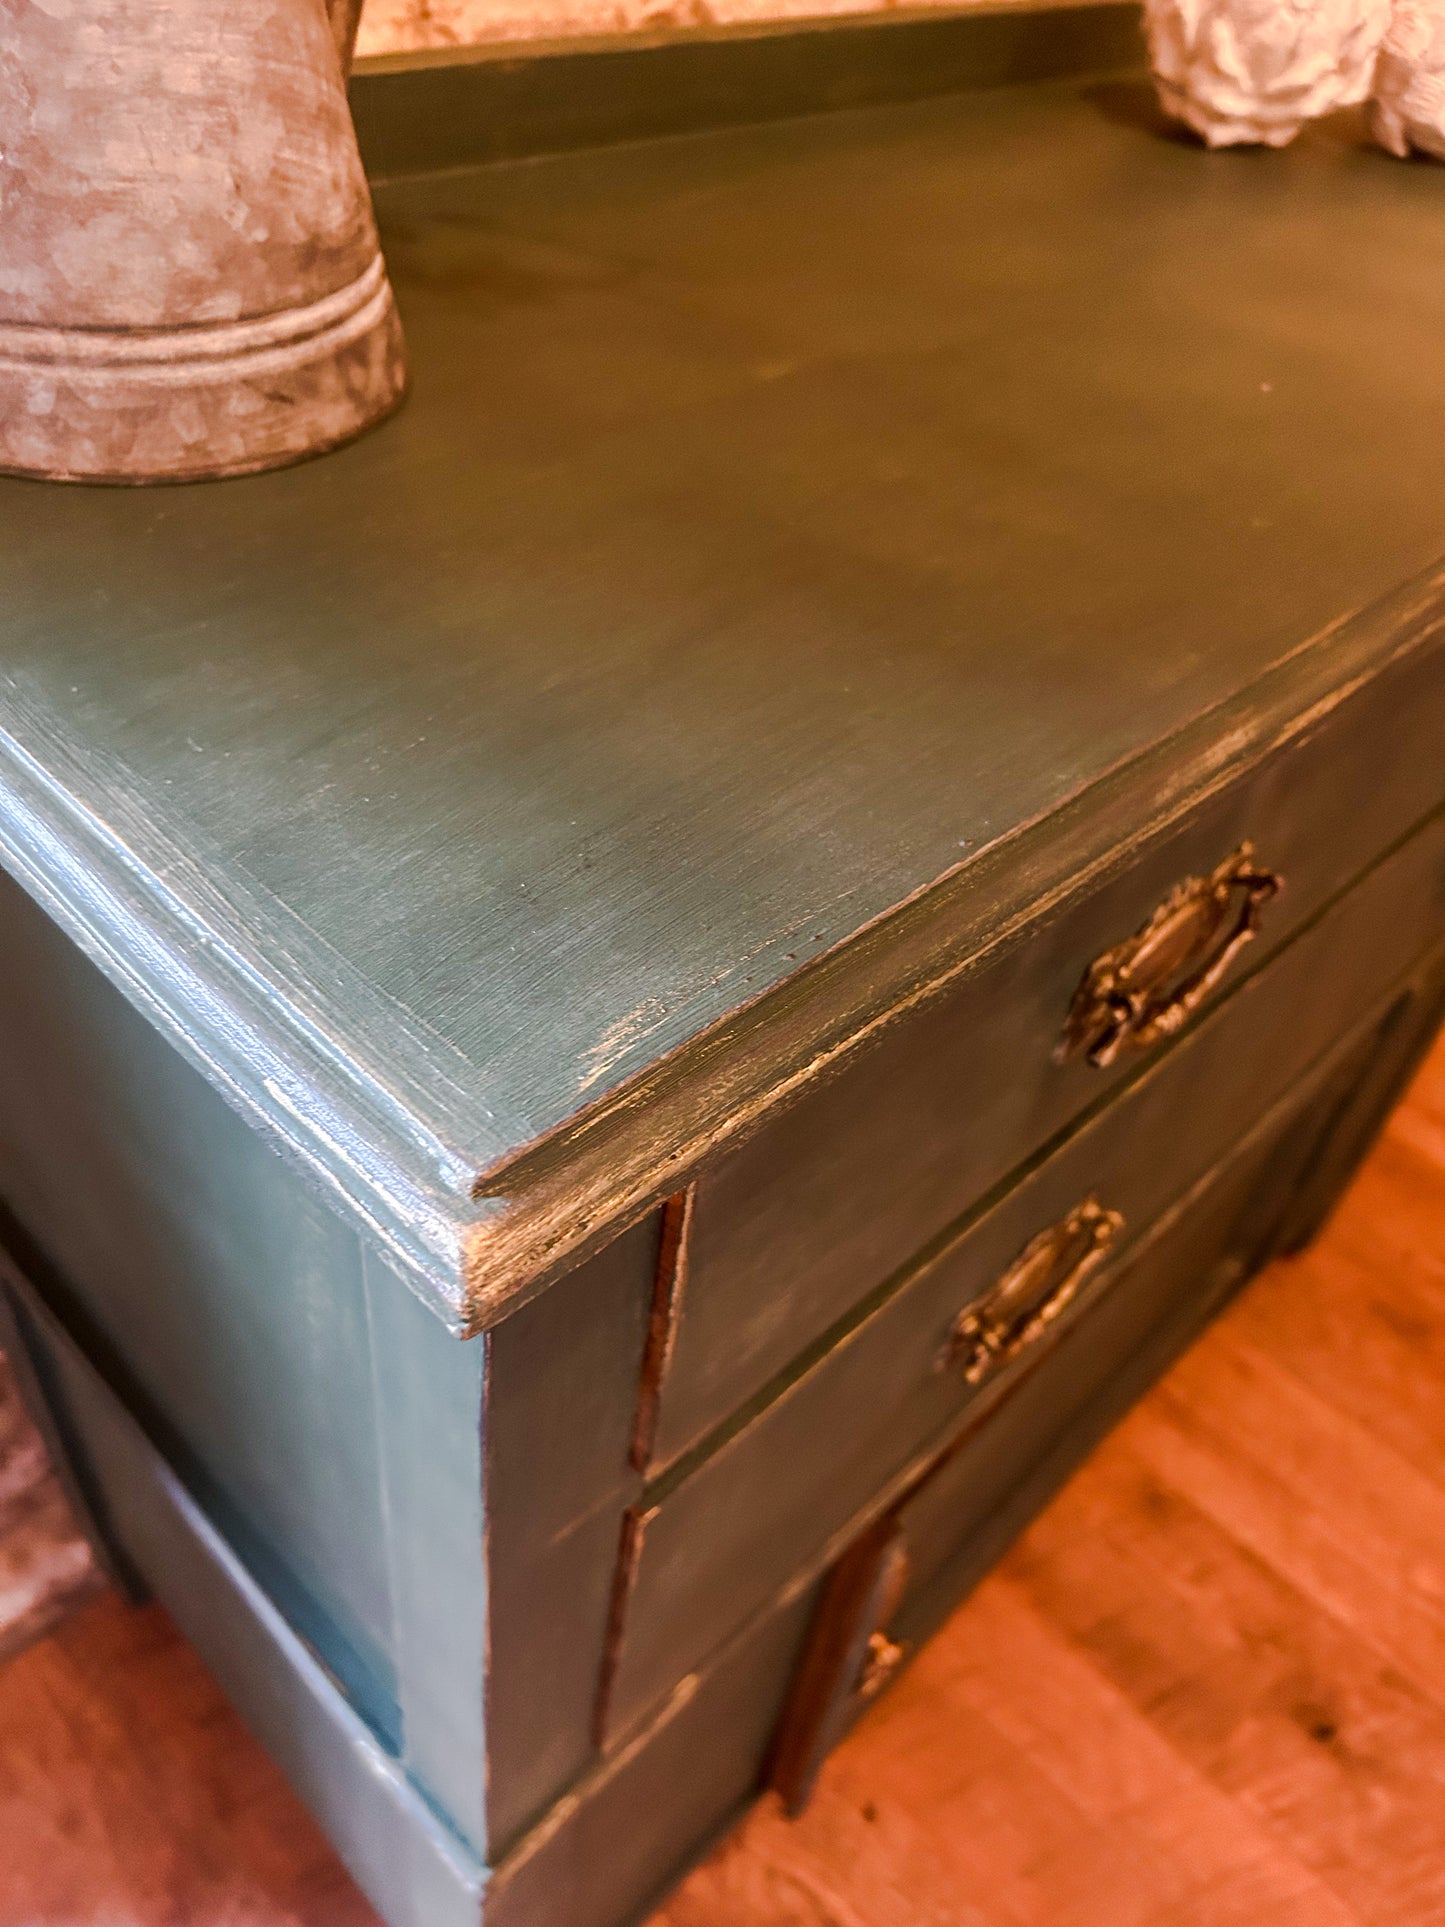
(632,1011)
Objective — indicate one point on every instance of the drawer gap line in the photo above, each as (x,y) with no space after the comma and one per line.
(670,1284)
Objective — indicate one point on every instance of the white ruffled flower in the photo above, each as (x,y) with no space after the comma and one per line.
(1257,70)
(1408,110)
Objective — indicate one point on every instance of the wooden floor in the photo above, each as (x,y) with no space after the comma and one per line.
(46,1567)
(1206,1690)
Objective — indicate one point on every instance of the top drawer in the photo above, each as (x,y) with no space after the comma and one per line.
(790,1230)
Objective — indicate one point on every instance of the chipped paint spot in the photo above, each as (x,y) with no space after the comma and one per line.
(619,1037)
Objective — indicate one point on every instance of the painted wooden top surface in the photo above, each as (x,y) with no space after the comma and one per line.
(781,518)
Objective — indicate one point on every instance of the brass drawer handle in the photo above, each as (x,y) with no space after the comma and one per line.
(881,1660)
(1147,988)
(1044,1278)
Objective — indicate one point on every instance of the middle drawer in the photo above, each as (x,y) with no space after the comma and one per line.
(702,1551)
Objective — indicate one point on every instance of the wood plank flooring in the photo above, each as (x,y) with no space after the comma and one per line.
(46,1567)
(1207,1689)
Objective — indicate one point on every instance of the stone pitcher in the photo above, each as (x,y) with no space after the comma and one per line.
(190,279)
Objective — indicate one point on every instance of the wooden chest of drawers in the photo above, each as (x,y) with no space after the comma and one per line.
(634,1010)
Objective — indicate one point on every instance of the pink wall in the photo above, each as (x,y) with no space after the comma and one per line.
(389,26)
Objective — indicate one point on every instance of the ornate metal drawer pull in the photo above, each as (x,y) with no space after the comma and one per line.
(1147,988)
(1044,1278)
(881,1661)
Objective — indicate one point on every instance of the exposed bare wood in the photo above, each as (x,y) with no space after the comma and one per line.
(671,1283)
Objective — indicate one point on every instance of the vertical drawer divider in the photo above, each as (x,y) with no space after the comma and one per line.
(678,1213)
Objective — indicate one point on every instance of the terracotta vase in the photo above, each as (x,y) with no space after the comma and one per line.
(1255,71)
(1408,111)
(190,279)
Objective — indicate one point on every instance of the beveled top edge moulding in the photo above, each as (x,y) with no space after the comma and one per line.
(191,283)
(1256,71)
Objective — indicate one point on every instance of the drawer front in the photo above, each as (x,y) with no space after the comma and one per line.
(702,1551)
(791,1230)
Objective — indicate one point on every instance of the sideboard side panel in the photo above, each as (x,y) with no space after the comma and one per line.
(224,1301)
